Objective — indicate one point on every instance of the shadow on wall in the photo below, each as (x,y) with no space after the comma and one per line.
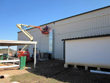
(55,69)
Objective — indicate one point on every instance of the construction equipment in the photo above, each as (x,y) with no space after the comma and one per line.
(23,51)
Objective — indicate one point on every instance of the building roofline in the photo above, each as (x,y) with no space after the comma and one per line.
(73,16)
(86,37)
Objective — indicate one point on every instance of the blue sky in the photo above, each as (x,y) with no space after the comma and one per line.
(38,12)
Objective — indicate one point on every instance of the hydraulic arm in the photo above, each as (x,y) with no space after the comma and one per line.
(43,31)
(20,26)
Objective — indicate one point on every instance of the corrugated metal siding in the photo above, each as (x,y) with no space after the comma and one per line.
(94,23)
(83,25)
(44,44)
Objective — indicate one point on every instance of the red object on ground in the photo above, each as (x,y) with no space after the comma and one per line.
(23,53)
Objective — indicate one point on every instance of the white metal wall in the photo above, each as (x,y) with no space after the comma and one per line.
(92,23)
(88,52)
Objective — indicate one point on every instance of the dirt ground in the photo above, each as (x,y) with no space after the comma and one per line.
(54,69)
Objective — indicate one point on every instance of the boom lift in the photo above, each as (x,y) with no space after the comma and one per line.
(23,51)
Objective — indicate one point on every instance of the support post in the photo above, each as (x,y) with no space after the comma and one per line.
(35,56)
(65,65)
(7,56)
(86,67)
(8,50)
(24,61)
(75,66)
(1,57)
(21,62)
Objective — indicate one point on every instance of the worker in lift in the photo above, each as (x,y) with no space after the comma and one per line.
(45,29)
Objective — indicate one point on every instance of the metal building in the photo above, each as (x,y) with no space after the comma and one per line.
(96,22)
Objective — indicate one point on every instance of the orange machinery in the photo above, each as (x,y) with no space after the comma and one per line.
(25,53)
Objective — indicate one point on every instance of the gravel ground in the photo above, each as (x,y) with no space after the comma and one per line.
(54,69)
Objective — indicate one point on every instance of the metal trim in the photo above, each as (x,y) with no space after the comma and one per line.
(95,36)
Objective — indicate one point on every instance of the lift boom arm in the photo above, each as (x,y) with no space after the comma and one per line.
(24,31)
(20,26)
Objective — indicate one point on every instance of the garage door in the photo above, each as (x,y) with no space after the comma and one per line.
(89,51)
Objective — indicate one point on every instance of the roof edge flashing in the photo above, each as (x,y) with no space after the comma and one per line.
(85,37)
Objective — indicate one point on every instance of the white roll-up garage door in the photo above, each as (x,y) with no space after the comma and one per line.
(89,51)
